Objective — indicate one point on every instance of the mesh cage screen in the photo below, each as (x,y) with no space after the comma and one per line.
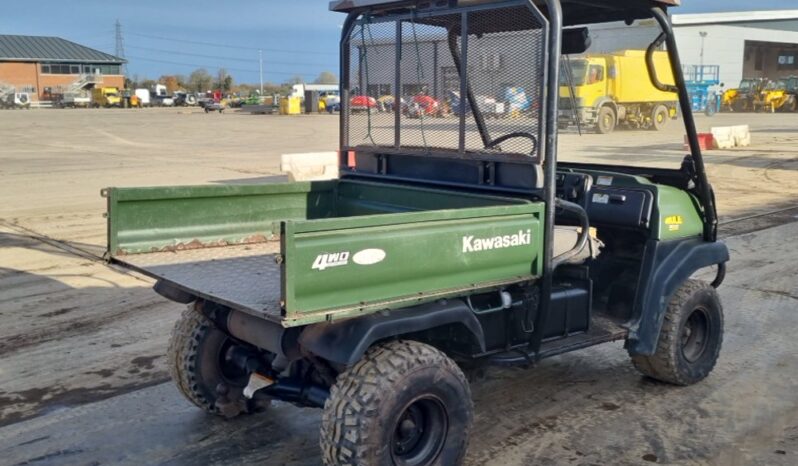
(505,73)
(372,58)
(411,65)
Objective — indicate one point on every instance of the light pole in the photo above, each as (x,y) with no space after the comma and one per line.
(260,60)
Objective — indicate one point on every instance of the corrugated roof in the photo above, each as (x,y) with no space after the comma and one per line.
(55,49)
(734,17)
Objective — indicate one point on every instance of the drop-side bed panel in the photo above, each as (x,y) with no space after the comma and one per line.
(342,249)
(342,267)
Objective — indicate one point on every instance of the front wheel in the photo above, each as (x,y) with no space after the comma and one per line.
(606,120)
(404,403)
(690,338)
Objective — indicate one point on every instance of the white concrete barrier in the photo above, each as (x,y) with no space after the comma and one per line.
(742,135)
(311,166)
(723,138)
(728,137)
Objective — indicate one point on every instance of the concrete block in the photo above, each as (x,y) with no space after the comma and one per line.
(742,135)
(728,137)
(313,166)
(723,137)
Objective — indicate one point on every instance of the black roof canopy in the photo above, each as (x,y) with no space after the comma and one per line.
(575,12)
(50,49)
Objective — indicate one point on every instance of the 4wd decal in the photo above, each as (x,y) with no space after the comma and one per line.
(364,257)
(324,261)
(522,238)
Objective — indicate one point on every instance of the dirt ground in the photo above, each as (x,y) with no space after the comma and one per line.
(82,375)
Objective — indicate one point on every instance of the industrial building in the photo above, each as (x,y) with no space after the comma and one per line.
(48,66)
(747,44)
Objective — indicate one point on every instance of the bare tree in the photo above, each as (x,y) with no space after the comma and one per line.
(326,77)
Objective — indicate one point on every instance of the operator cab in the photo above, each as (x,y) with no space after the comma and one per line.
(461,96)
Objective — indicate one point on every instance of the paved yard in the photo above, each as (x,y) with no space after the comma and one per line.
(82,343)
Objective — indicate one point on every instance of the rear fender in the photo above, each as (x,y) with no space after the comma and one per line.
(346,341)
(666,265)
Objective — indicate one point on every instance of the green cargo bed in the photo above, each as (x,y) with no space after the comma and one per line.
(298,253)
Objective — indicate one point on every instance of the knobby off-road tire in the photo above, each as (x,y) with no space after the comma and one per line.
(195,359)
(690,338)
(403,403)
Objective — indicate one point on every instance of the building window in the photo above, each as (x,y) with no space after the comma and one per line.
(759,60)
(75,68)
(787,61)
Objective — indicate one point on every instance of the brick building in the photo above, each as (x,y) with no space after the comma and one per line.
(44,66)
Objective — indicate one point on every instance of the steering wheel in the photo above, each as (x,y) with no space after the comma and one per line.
(517,134)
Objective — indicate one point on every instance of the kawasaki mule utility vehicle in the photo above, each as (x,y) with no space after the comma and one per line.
(448,242)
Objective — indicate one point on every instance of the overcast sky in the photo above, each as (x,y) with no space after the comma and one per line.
(166,37)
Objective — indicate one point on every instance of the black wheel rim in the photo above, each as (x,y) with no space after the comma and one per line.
(695,335)
(420,432)
(230,372)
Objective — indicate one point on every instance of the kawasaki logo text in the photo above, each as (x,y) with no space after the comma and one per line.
(471,244)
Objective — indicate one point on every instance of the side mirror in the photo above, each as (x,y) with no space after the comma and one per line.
(575,41)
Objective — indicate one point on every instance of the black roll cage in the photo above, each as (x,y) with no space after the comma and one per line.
(693,168)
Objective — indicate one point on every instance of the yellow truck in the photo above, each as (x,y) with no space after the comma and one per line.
(614,89)
(106,97)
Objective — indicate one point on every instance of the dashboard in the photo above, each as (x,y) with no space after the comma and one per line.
(610,199)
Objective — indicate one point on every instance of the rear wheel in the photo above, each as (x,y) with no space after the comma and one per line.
(405,403)
(197,359)
(606,120)
(659,117)
(690,338)
(742,105)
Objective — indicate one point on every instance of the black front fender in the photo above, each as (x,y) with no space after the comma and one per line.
(346,341)
(666,265)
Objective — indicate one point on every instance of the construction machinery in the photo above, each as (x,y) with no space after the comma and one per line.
(106,97)
(792,94)
(703,84)
(775,97)
(607,92)
(79,93)
(11,99)
(444,245)
(746,97)
(161,97)
(185,99)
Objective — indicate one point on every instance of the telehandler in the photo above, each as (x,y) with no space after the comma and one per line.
(445,244)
